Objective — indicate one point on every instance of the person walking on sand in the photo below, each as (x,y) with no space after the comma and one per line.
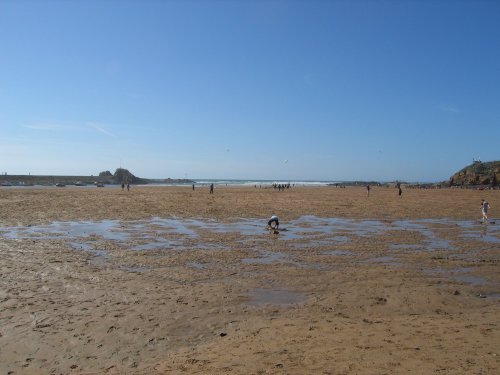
(367,190)
(274,219)
(211,188)
(128,187)
(193,187)
(123,186)
(400,191)
(484,209)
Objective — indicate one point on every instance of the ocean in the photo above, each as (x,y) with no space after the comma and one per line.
(230,182)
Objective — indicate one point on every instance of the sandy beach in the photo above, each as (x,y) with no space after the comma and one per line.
(167,280)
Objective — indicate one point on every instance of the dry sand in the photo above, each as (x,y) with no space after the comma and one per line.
(376,292)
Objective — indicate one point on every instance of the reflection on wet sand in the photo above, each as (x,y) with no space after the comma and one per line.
(261,296)
(168,281)
(301,235)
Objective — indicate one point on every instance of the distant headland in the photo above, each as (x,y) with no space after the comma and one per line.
(485,174)
(121,176)
(477,173)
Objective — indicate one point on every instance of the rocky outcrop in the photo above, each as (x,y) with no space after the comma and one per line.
(123,176)
(478,173)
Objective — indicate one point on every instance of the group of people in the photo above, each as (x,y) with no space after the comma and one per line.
(274,219)
(128,187)
(281,187)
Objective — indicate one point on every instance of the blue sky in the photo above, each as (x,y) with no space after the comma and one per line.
(317,90)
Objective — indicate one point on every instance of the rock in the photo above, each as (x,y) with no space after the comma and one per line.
(124,176)
(478,173)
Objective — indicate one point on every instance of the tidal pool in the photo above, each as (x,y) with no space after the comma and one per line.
(280,297)
(338,252)
(460,274)
(302,234)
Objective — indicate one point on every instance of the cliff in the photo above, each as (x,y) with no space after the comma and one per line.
(478,173)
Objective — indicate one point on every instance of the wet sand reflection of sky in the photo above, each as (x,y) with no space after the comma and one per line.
(302,234)
(310,231)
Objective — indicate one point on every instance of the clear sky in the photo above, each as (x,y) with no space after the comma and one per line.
(316,90)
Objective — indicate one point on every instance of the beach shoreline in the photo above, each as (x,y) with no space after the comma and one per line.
(170,280)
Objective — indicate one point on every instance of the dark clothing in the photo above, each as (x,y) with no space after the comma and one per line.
(275,221)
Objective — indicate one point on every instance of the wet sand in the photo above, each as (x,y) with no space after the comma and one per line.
(168,280)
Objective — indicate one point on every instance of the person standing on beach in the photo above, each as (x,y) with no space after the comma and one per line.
(211,188)
(128,187)
(123,186)
(484,209)
(193,187)
(400,191)
(367,190)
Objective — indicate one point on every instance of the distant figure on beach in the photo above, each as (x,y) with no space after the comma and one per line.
(211,188)
(400,191)
(193,187)
(128,187)
(367,190)
(274,219)
(484,209)
(123,186)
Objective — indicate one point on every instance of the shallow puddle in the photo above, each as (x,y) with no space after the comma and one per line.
(406,246)
(302,234)
(321,225)
(338,252)
(484,235)
(157,245)
(88,248)
(197,265)
(432,242)
(244,227)
(322,242)
(470,279)
(107,229)
(461,274)
(490,295)
(280,297)
(173,225)
(382,259)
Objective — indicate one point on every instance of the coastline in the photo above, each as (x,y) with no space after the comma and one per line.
(169,280)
